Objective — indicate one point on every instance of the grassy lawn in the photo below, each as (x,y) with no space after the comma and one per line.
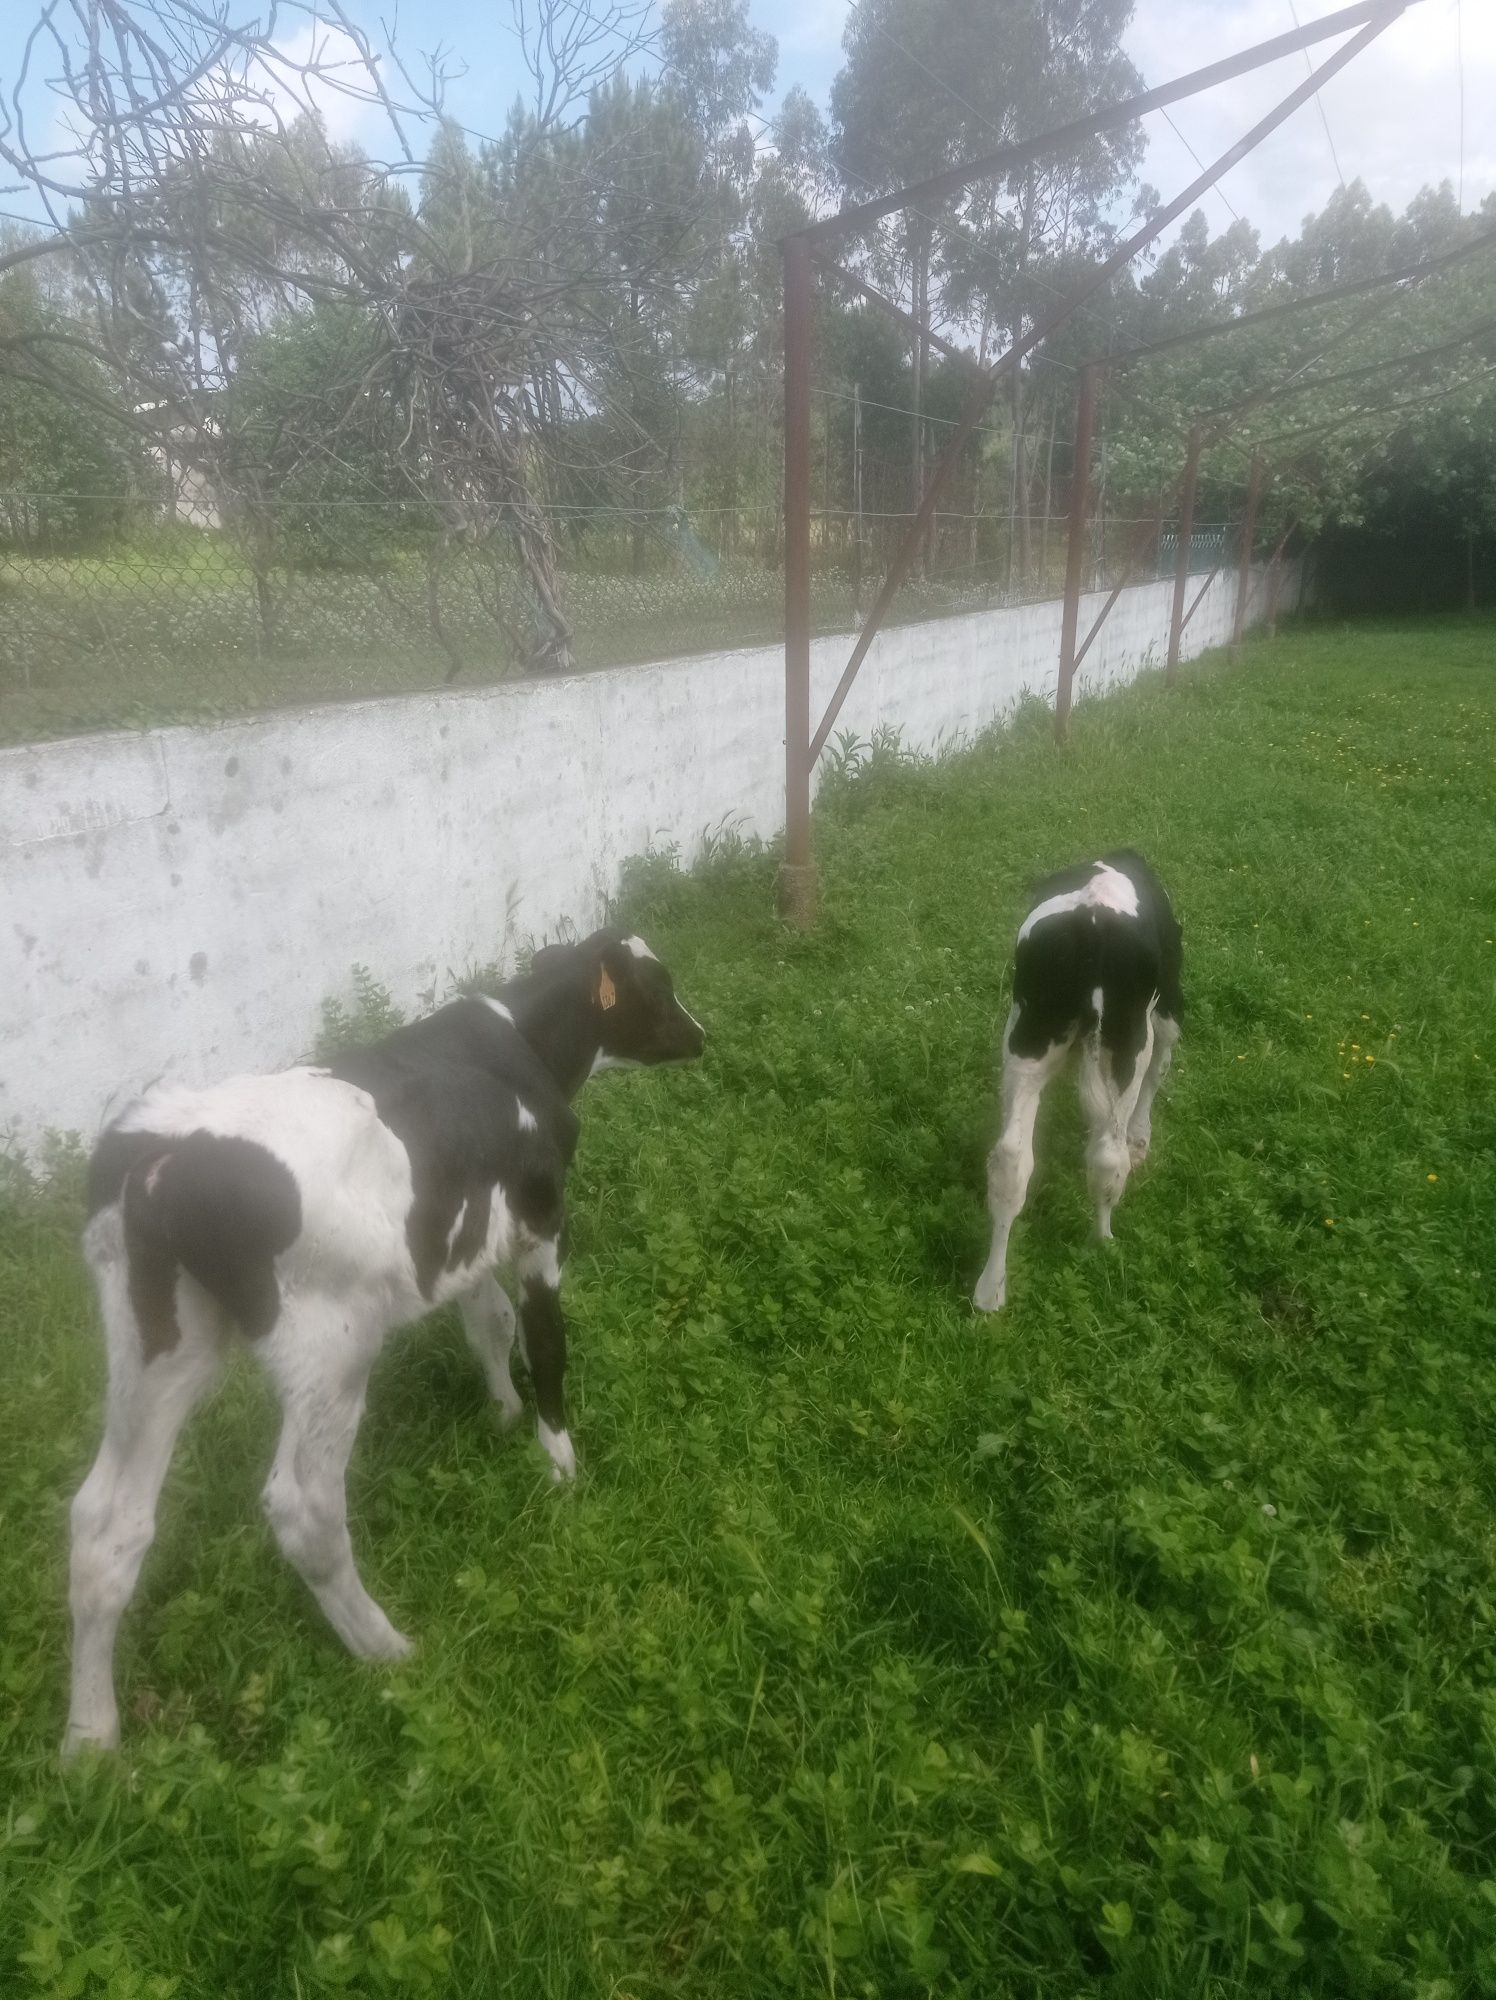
(175,634)
(1141,1642)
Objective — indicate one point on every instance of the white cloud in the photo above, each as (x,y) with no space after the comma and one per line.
(341,92)
(1393,113)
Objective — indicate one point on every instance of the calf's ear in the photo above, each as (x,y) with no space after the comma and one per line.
(550,957)
(614,972)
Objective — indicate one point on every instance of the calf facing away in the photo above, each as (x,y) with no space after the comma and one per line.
(1096,971)
(313,1211)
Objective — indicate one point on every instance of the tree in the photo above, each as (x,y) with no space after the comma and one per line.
(203,204)
(721,66)
(66,472)
(928,83)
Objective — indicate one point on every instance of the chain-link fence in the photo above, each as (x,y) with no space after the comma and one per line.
(144,620)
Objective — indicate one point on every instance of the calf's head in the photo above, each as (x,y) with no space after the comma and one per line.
(631,996)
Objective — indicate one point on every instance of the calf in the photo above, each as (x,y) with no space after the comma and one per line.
(1097,967)
(310,1213)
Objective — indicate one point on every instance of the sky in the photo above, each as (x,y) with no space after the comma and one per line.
(1394,116)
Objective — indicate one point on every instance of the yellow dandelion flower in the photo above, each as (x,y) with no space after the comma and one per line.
(1433,1177)
(1371,1059)
(1329,1222)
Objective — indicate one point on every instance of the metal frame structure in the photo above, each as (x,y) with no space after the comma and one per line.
(1368,18)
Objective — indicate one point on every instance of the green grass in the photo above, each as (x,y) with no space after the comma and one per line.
(172,631)
(1140,1643)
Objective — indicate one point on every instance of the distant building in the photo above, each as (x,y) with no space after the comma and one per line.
(193,497)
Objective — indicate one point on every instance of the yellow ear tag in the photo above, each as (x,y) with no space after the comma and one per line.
(607,992)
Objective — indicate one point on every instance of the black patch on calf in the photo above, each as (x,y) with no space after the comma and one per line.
(450,1088)
(151,1264)
(221,1209)
(112,1159)
(545,1350)
(1060,965)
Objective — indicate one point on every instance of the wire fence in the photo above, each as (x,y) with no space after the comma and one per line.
(112,616)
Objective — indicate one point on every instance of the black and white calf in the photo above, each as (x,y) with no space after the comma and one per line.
(1096,971)
(313,1211)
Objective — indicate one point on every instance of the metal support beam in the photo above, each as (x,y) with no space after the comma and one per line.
(1112,118)
(905,319)
(1377,19)
(1248,532)
(1080,534)
(797,885)
(1332,295)
(1182,551)
(1148,546)
(1312,383)
(1199,597)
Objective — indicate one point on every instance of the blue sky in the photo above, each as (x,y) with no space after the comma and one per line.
(1394,116)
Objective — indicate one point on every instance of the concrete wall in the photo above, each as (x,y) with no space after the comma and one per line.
(180,901)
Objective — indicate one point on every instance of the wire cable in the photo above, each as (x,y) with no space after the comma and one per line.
(1319,100)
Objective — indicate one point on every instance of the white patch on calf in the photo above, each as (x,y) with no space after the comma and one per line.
(1108,889)
(540,1258)
(601,1061)
(559,1450)
(638,947)
(528,1122)
(499,1008)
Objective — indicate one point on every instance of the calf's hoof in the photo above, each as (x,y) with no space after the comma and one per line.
(80,1738)
(561,1452)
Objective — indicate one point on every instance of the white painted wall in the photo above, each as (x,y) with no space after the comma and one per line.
(180,901)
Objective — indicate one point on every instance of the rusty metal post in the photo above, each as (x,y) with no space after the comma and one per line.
(1135,563)
(1248,531)
(1199,598)
(1275,577)
(797,877)
(1182,553)
(1075,558)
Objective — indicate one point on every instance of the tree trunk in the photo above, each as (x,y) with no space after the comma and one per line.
(551,652)
(265,604)
(434,607)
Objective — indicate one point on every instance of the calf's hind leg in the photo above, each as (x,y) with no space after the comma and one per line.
(319,1359)
(1140,1125)
(1010,1164)
(114,1514)
(1109,1108)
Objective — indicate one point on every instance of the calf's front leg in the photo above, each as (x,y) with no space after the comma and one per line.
(488,1322)
(544,1334)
